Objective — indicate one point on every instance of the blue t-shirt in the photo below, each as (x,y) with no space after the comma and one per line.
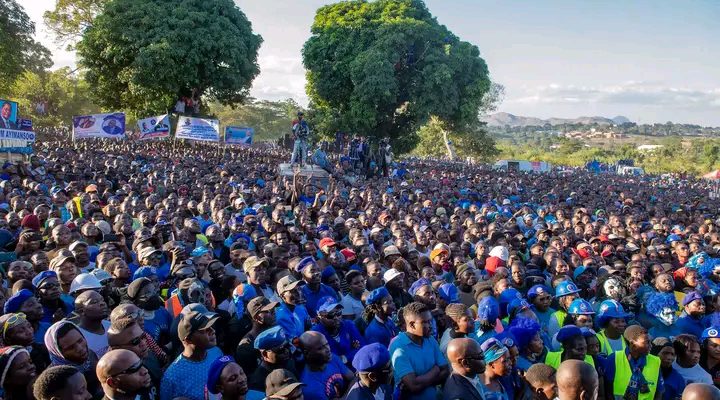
(408,358)
(674,385)
(185,378)
(159,324)
(293,323)
(688,324)
(40,333)
(378,332)
(312,298)
(326,384)
(346,343)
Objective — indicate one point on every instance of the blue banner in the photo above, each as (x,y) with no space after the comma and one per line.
(14,134)
(239,135)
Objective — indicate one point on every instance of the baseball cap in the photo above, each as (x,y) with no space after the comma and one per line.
(270,338)
(259,304)
(60,258)
(391,274)
(391,251)
(328,304)
(326,242)
(146,252)
(195,321)
(288,283)
(280,383)
(371,358)
(75,245)
(690,297)
(216,369)
(38,280)
(253,262)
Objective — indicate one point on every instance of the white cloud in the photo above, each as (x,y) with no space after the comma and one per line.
(652,94)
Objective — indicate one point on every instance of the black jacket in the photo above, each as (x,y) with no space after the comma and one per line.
(457,387)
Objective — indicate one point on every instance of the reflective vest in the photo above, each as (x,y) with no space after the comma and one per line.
(560,317)
(554,358)
(605,346)
(623,373)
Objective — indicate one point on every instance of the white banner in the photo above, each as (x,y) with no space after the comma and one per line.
(157,127)
(17,135)
(198,129)
(99,126)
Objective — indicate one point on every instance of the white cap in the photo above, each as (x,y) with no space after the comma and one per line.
(84,281)
(391,274)
(391,251)
(500,252)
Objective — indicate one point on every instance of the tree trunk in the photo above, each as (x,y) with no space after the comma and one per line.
(450,150)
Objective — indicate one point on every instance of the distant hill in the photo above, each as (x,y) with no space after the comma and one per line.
(506,119)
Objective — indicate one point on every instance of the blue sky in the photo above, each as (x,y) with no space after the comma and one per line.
(652,61)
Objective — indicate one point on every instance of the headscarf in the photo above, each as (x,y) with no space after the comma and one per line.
(53,347)
(7,355)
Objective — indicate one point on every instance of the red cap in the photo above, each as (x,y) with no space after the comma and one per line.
(31,222)
(325,242)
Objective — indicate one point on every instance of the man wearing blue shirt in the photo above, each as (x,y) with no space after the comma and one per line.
(419,365)
(291,315)
(325,375)
(187,375)
(342,335)
(691,319)
(314,289)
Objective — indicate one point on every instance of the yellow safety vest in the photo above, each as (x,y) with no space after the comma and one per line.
(605,346)
(623,373)
(554,358)
(560,317)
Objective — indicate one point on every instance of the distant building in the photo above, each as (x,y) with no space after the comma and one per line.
(649,147)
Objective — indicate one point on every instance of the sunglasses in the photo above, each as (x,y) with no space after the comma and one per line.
(333,315)
(48,286)
(135,342)
(131,370)
(12,321)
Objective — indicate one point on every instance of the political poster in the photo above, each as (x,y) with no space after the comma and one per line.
(154,127)
(239,135)
(8,114)
(110,126)
(207,130)
(25,124)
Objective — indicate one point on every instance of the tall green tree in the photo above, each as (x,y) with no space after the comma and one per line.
(382,68)
(62,93)
(142,55)
(70,18)
(19,52)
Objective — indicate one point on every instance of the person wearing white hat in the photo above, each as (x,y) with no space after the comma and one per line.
(395,284)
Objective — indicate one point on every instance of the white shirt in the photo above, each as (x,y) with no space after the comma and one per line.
(695,374)
(97,343)
(352,306)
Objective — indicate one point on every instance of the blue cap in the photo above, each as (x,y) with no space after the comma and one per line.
(611,309)
(507,339)
(144,272)
(328,272)
(449,293)
(537,290)
(565,288)
(42,277)
(568,332)
(517,305)
(690,297)
(673,238)
(271,338)
(488,309)
(370,358)
(418,284)
(328,304)
(304,263)
(580,307)
(580,270)
(710,333)
(377,295)
(216,369)
(15,302)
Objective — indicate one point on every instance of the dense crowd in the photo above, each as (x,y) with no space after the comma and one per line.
(163,270)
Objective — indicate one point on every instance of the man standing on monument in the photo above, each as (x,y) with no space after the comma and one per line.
(301,131)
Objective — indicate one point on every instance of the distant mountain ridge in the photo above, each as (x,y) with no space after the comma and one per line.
(507,119)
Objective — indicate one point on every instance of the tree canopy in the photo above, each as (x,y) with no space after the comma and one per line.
(383,68)
(269,119)
(142,55)
(71,18)
(62,94)
(19,52)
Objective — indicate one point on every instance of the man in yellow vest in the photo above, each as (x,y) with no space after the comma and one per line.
(612,319)
(634,373)
(565,293)
(574,347)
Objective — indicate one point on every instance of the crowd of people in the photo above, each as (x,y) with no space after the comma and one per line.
(161,270)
